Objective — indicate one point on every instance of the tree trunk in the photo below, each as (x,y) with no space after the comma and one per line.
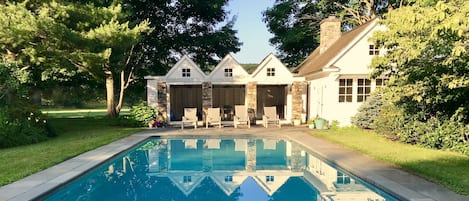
(111,109)
(121,93)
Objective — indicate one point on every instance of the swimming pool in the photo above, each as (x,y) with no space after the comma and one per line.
(217,169)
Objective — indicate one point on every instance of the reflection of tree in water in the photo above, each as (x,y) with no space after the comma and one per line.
(297,189)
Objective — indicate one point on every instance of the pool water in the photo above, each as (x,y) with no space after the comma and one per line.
(241,169)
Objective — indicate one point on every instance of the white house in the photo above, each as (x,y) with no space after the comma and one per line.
(185,85)
(337,72)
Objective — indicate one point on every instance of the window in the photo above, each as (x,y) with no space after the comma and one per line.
(345,90)
(228,72)
(228,178)
(373,50)
(270,72)
(269,178)
(364,88)
(186,72)
(187,179)
(342,178)
(381,82)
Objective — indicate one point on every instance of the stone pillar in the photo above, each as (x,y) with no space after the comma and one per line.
(162,105)
(206,98)
(297,89)
(251,102)
(297,161)
(152,93)
(251,156)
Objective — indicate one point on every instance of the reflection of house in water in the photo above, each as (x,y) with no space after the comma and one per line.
(268,162)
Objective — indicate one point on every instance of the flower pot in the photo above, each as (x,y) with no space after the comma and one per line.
(320,124)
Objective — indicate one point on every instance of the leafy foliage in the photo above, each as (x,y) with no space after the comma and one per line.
(143,113)
(196,28)
(295,24)
(368,112)
(427,60)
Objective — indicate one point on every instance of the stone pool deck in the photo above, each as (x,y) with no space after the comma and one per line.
(401,184)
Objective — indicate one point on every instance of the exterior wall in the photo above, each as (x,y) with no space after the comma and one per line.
(324,99)
(152,93)
(357,59)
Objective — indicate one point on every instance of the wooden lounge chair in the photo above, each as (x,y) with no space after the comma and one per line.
(190,117)
(241,116)
(270,116)
(213,117)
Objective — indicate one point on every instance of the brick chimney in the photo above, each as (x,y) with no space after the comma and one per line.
(330,32)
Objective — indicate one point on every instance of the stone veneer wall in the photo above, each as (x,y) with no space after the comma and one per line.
(251,88)
(162,101)
(297,101)
(206,98)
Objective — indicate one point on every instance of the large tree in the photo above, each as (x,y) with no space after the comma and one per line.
(58,40)
(198,28)
(427,57)
(295,24)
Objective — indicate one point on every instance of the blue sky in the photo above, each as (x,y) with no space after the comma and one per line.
(252,31)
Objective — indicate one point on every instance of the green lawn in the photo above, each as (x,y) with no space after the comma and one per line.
(75,136)
(447,168)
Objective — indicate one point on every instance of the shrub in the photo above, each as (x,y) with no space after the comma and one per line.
(143,113)
(20,129)
(368,112)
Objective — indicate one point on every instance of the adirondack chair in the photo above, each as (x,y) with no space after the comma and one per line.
(213,117)
(270,117)
(190,117)
(241,116)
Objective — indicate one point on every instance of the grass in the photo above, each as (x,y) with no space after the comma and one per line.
(75,136)
(447,168)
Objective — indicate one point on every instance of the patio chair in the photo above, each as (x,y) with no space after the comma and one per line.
(190,117)
(241,116)
(213,117)
(270,116)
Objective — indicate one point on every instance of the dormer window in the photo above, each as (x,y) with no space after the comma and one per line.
(269,179)
(187,179)
(186,72)
(228,179)
(373,50)
(270,72)
(228,72)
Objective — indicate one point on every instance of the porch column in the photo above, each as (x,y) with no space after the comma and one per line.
(251,101)
(162,105)
(297,92)
(206,98)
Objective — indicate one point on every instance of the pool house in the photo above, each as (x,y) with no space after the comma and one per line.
(227,85)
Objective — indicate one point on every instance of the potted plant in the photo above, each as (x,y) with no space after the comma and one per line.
(310,123)
(320,123)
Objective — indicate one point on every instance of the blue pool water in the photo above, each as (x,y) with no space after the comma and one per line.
(217,169)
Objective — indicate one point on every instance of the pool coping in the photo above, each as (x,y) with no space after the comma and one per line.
(403,185)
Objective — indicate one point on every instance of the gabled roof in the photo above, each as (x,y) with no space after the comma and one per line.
(228,187)
(218,74)
(175,75)
(317,62)
(186,187)
(271,187)
(282,73)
